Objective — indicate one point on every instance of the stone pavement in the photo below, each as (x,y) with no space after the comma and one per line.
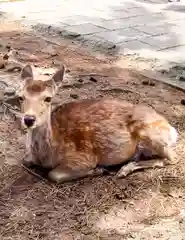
(151,28)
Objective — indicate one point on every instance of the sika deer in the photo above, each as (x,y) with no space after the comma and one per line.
(76,137)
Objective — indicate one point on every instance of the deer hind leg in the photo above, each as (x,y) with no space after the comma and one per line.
(137,164)
(166,157)
(77,165)
(133,166)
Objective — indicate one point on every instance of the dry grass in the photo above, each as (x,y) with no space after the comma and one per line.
(92,208)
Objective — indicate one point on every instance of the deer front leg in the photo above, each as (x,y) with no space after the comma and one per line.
(29,160)
(74,166)
(60,175)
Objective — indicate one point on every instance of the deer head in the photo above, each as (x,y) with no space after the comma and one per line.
(36,96)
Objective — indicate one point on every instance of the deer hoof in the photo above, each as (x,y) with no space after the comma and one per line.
(27,161)
(58,177)
(125,171)
(122,173)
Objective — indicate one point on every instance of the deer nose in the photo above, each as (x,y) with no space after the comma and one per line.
(29,120)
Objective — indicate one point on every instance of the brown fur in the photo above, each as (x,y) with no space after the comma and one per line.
(34,88)
(78,136)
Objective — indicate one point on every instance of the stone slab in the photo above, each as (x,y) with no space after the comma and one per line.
(132,25)
(86,28)
(164,41)
(121,35)
(132,47)
(155,30)
(131,22)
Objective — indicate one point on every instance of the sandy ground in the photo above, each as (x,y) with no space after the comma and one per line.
(145,205)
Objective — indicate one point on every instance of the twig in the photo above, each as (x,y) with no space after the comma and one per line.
(120,90)
(34,173)
(12,69)
(11,109)
(3,82)
(92,74)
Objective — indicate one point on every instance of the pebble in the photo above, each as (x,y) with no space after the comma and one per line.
(75,96)
(145,82)
(182,78)
(9,91)
(183,101)
(92,79)
(80,80)
(148,83)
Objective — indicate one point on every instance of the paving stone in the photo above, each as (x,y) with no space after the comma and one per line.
(131,22)
(175,7)
(79,19)
(159,1)
(140,11)
(115,24)
(164,41)
(91,38)
(100,14)
(125,5)
(173,54)
(123,14)
(172,15)
(96,42)
(49,17)
(179,22)
(121,35)
(111,14)
(46,23)
(132,25)
(133,47)
(86,28)
(155,30)
(43,27)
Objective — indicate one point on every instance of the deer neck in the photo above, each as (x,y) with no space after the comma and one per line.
(39,142)
(41,134)
(44,131)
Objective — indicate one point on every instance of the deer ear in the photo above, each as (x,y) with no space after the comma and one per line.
(50,84)
(27,72)
(59,75)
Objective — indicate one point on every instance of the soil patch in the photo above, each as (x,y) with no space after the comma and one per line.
(145,205)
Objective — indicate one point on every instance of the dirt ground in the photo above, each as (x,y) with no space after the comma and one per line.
(145,205)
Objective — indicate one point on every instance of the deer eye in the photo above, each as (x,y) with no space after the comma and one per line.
(47,99)
(21,98)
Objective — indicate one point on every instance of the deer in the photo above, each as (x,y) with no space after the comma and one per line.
(78,138)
